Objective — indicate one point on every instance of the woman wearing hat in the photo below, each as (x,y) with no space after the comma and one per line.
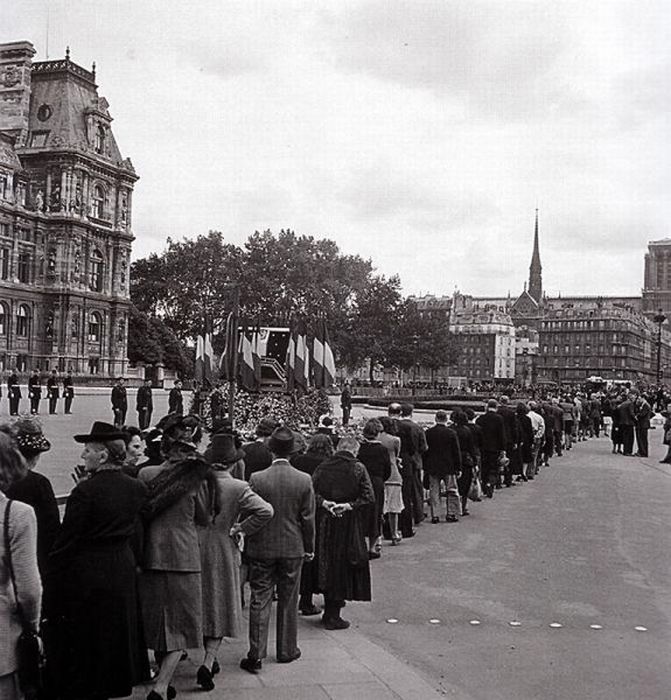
(170,585)
(92,573)
(22,538)
(35,489)
(238,511)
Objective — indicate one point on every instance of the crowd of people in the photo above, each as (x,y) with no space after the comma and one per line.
(162,532)
(56,388)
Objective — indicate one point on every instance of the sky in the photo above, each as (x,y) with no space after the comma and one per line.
(421,134)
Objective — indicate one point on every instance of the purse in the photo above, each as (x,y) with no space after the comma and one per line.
(475,490)
(28,645)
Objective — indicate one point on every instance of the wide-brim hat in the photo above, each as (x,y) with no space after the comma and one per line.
(325,423)
(265,427)
(222,449)
(101,432)
(282,438)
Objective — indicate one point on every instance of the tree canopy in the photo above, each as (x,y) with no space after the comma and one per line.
(280,275)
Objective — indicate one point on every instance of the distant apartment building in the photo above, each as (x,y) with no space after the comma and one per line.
(599,338)
(486,342)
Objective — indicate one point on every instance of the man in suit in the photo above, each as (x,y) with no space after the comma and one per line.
(119,402)
(413,446)
(175,400)
(35,392)
(144,405)
(13,393)
(557,425)
(257,454)
(68,392)
(493,444)
(627,420)
(52,392)
(511,436)
(643,413)
(346,403)
(442,462)
(276,552)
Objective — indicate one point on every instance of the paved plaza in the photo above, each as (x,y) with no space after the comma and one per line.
(557,589)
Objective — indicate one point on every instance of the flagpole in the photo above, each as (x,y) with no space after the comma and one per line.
(234,363)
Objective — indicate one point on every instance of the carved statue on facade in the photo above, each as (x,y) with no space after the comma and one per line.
(39,201)
(55,201)
(49,325)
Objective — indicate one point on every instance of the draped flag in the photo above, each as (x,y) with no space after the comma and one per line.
(227,360)
(256,354)
(298,357)
(204,370)
(302,367)
(322,357)
(247,364)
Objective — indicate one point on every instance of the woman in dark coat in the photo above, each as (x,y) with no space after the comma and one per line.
(343,490)
(320,448)
(375,457)
(469,455)
(93,571)
(526,436)
(35,489)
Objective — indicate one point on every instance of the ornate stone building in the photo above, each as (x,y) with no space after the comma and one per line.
(657,278)
(65,220)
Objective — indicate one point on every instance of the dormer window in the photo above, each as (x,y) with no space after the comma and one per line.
(100,139)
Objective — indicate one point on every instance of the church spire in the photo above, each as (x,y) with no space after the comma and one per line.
(535,269)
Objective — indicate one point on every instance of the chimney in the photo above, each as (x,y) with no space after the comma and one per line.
(16,60)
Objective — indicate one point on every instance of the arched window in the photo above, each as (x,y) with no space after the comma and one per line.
(22,321)
(4,318)
(98,202)
(100,139)
(95,326)
(97,270)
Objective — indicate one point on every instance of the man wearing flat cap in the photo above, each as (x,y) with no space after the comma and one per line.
(276,552)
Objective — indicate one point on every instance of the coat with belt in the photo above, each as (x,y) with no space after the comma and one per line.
(220,556)
(291,531)
(443,456)
(493,434)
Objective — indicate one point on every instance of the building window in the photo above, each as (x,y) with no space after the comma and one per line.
(22,321)
(97,268)
(24,268)
(100,139)
(4,318)
(94,328)
(94,365)
(4,263)
(98,202)
(21,363)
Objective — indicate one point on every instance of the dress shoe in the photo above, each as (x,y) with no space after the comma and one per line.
(215,667)
(451,519)
(435,520)
(171,694)
(289,659)
(312,610)
(335,623)
(250,665)
(204,678)
(374,555)
(465,512)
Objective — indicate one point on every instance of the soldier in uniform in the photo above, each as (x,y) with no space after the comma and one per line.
(119,402)
(144,405)
(52,392)
(175,400)
(35,392)
(68,392)
(13,393)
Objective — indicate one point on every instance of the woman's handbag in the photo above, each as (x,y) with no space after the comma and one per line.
(475,490)
(28,645)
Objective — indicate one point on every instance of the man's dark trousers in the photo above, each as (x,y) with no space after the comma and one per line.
(13,404)
(642,439)
(627,438)
(264,576)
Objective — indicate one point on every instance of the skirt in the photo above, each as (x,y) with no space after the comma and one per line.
(393,499)
(171,610)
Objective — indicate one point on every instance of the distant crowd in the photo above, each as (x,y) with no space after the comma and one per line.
(162,531)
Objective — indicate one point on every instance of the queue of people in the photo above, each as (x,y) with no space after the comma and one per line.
(161,533)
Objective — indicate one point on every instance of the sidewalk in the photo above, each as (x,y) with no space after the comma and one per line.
(342,665)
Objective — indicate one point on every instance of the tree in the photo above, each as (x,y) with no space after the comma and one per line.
(373,325)
(188,280)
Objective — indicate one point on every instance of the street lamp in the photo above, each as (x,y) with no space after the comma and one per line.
(415,346)
(659,318)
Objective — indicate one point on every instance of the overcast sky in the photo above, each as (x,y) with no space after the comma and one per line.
(420,134)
